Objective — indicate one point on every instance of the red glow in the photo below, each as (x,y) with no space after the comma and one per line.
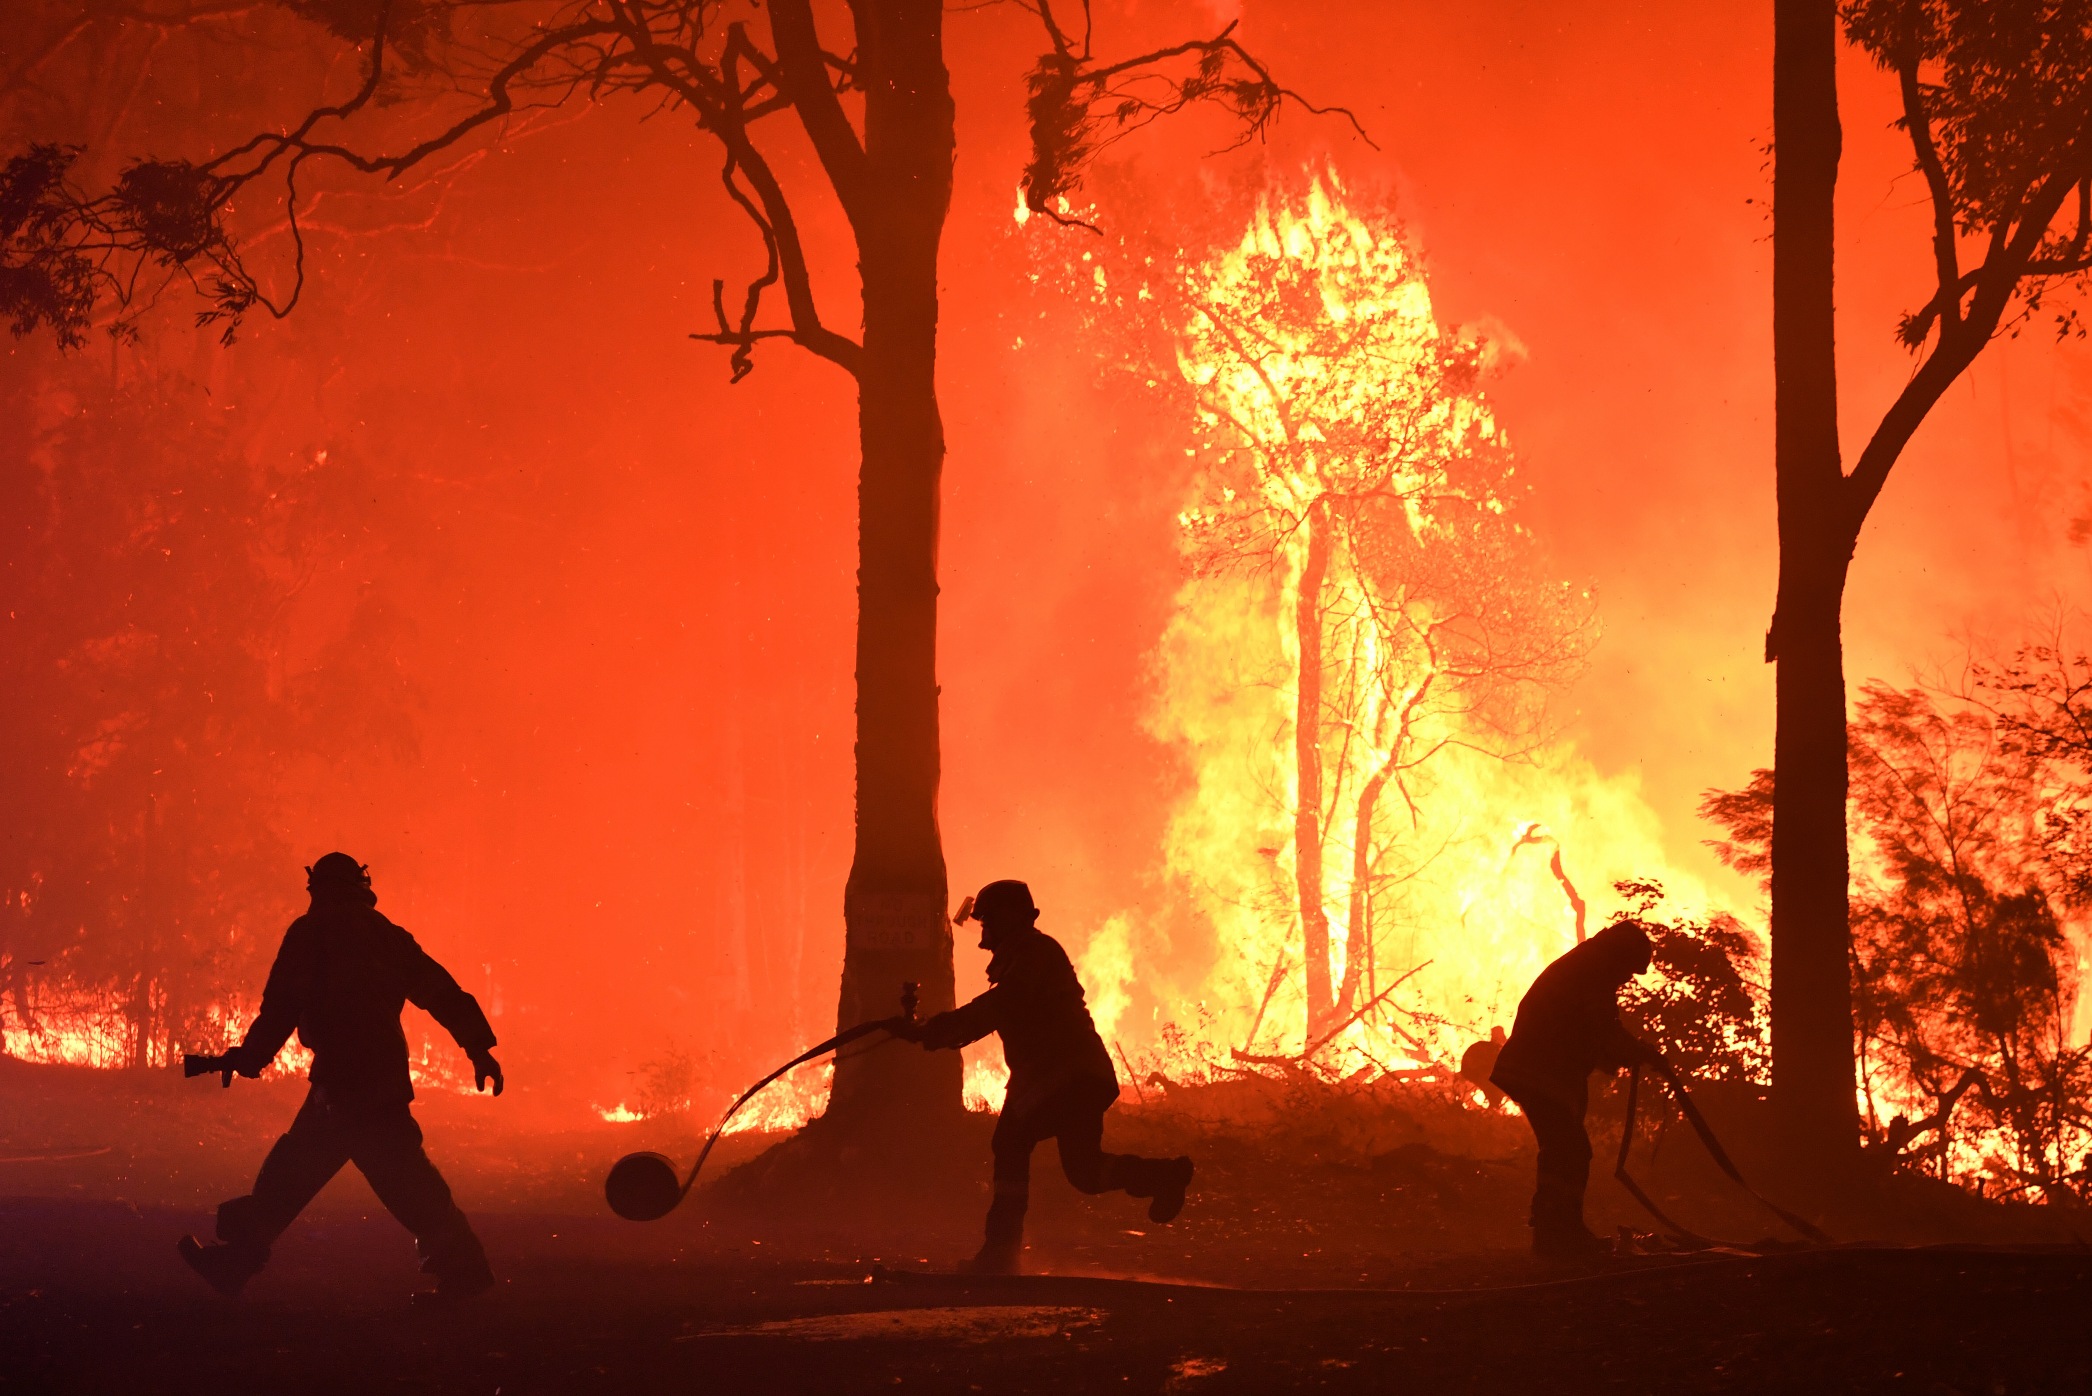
(613,595)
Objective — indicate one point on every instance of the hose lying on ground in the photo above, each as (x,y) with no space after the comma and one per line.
(1715,1150)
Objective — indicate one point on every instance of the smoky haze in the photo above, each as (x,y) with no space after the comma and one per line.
(568,623)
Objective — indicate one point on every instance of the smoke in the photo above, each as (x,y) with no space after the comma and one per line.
(621,591)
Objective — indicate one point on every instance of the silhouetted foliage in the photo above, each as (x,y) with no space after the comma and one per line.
(2041,700)
(412,27)
(1998,103)
(166,215)
(45,281)
(1704,1008)
(1960,963)
(1747,815)
(1077,106)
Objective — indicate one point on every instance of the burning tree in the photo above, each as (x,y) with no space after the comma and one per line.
(2041,701)
(1997,104)
(1355,548)
(877,110)
(1964,980)
(1961,964)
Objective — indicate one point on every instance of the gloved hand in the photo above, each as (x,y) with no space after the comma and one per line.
(484,1069)
(246,1061)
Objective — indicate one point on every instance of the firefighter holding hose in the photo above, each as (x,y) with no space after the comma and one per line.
(340,981)
(1568,1026)
(1061,1076)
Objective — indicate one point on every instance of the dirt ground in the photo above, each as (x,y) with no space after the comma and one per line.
(1354,1244)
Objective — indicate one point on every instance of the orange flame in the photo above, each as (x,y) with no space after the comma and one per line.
(1322,378)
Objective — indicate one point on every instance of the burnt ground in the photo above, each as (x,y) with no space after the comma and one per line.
(1340,1244)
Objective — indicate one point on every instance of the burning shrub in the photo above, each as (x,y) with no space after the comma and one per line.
(1964,980)
(663,1085)
(1960,962)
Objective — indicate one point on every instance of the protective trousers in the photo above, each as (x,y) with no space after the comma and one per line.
(384,1143)
(1078,1125)
(1565,1163)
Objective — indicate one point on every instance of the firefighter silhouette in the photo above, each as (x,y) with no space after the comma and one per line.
(1061,1077)
(340,981)
(1568,1026)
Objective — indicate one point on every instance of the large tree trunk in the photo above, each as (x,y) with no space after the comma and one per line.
(894,906)
(1307,760)
(1812,1042)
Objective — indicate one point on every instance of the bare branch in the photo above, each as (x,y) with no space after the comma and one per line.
(2013,248)
(801,72)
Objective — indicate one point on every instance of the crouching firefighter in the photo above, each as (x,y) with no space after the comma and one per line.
(340,980)
(1568,1026)
(1061,1078)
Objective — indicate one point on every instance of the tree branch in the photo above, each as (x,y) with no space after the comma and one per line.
(787,262)
(1995,281)
(1917,122)
(802,73)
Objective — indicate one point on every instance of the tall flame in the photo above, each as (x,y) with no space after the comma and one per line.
(1358,670)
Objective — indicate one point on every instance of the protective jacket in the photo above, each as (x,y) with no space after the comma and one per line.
(1035,1001)
(340,981)
(1568,1026)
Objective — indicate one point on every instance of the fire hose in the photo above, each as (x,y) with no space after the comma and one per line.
(1715,1151)
(643,1186)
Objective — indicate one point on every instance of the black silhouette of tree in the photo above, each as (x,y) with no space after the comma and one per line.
(1997,105)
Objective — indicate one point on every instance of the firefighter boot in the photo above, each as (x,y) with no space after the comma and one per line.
(455,1257)
(225,1268)
(1557,1218)
(1170,1186)
(1002,1252)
